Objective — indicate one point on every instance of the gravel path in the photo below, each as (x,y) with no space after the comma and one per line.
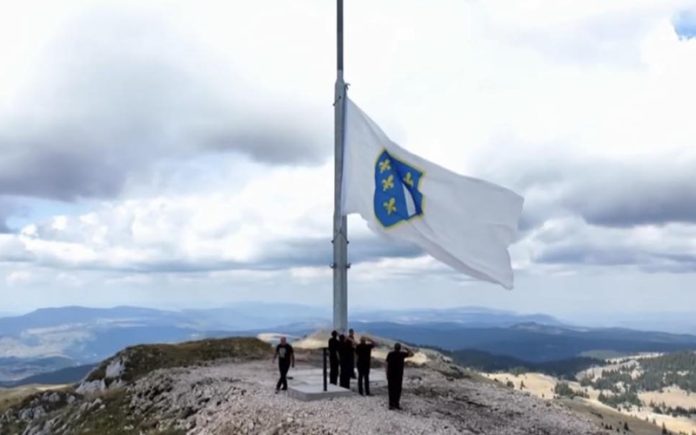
(239,398)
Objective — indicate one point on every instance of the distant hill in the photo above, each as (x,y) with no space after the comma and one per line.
(68,375)
(488,362)
(12,368)
(51,339)
(532,342)
(89,334)
(469,316)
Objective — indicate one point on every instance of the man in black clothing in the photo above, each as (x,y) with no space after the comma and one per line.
(346,356)
(333,357)
(364,354)
(395,373)
(286,357)
(353,343)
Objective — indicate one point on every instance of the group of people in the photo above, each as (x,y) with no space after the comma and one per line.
(345,354)
(343,351)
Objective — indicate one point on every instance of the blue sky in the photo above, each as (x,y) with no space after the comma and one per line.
(685,23)
(173,154)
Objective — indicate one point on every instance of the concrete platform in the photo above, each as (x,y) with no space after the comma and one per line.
(308,384)
(306,392)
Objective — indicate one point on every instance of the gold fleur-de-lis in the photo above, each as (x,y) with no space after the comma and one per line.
(390,206)
(408,179)
(388,183)
(384,165)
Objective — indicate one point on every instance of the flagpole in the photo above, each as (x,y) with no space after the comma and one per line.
(340,228)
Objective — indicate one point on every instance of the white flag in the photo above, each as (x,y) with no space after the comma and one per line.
(461,221)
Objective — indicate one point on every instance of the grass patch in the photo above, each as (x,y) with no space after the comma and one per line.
(113,416)
(143,359)
(14,396)
(24,398)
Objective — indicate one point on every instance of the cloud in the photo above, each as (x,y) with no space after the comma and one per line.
(606,192)
(12,250)
(247,227)
(120,91)
(573,243)
(572,32)
(629,195)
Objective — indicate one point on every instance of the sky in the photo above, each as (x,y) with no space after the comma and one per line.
(179,154)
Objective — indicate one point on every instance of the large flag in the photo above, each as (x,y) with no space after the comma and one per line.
(464,222)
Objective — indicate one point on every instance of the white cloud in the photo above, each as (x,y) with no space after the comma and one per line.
(18,278)
(236,225)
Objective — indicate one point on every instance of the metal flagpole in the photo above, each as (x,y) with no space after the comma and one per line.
(340,228)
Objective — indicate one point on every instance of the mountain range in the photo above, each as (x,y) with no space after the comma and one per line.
(53,339)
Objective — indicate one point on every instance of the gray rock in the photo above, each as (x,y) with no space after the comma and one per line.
(92,387)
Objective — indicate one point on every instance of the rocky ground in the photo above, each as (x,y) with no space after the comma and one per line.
(432,403)
(232,396)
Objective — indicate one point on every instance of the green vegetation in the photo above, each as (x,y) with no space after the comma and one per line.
(108,414)
(649,374)
(625,398)
(612,380)
(143,359)
(113,416)
(604,354)
(676,411)
(672,369)
(620,387)
(562,389)
(13,396)
(49,401)
(617,387)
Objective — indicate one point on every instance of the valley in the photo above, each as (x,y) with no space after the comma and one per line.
(655,388)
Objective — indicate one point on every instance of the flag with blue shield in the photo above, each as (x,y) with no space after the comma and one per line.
(397,197)
(462,221)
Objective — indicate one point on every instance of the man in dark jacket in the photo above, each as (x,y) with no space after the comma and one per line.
(334,349)
(364,353)
(286,357)
(395,373)
(346,357)
(353,342)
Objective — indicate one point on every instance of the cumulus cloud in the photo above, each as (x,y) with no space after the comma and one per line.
(572,242)
(606,192)
(251,228)
(119,91)
(629,195)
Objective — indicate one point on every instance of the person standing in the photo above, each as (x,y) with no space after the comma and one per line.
(346,357)
(395,373)
(334,349)
(286,358)
(353,343)
(364,353)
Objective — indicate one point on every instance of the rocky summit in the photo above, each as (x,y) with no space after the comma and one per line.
(226,386)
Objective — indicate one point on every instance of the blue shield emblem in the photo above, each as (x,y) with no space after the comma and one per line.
(397,197)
